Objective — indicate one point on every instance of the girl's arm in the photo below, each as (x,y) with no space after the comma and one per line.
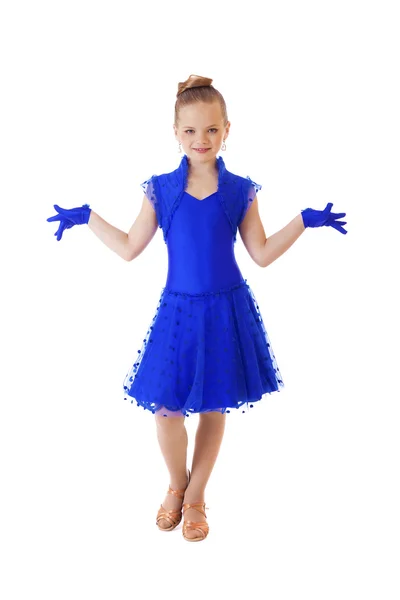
(127,245)
(265,250)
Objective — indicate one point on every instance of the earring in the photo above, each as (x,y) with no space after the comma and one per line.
(223,146)
(179,147)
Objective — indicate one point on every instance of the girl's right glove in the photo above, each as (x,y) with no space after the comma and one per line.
(69,217)
(318,218)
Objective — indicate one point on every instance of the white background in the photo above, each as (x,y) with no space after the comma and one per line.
(303,498)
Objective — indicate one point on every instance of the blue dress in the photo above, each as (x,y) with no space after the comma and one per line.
(206,348)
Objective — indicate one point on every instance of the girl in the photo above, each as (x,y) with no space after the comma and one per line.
(206,350)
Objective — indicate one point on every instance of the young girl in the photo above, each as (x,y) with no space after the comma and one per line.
(206,350)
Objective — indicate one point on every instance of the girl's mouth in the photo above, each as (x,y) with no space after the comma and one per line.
(201,150)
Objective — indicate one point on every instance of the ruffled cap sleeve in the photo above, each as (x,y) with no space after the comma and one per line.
(251,189)
(151,190)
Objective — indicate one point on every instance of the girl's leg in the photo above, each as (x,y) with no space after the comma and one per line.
(210,432)
(173,440)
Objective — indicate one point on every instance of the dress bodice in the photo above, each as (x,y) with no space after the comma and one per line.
(200,244)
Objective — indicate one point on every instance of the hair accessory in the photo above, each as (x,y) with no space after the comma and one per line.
(204,81)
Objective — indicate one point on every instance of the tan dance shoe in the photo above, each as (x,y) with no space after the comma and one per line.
(173,517)
(200,526)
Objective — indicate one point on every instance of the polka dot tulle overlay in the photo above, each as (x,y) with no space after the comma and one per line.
(204,352)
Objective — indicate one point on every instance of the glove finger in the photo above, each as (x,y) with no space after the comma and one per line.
(328,207)
(341,222)
(65,225)
(338,227)
(54,218)
(338,215)
(62,211)
(57,233)
(60,230)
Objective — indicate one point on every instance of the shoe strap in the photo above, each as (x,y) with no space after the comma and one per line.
(173,517)
(163,511)
(178,493)
(201,527)
(199,506)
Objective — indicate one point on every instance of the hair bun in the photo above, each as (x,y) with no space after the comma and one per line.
(193,81)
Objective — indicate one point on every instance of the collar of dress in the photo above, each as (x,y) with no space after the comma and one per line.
(182,171)
(234,193)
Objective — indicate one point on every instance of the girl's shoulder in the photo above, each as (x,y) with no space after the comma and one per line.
(243,180)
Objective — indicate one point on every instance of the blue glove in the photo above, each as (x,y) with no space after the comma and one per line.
(69,217)
(318,218)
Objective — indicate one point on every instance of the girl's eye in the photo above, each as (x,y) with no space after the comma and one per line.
(212,129)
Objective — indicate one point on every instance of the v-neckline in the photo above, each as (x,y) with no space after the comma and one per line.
(201,199)
(184,168)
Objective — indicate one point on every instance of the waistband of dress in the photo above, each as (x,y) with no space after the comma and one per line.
(172,292)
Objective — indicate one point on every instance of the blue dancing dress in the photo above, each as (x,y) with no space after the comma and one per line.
(206,348)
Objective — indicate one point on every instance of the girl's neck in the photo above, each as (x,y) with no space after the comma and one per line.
(203,170)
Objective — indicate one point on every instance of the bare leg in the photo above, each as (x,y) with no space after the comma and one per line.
(173,439)
(210,432)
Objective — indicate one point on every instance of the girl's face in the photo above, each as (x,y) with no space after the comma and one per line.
(201,126)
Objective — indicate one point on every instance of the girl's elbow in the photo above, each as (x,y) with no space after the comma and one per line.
(264,263)
(132,249)
(129,253)
(263,258)
(260,261)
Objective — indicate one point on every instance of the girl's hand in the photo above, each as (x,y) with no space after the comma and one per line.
(318,218)
(69,217)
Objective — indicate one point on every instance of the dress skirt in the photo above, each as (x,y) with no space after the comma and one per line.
(204,352)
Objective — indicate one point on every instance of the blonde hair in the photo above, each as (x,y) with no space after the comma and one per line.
(198,89)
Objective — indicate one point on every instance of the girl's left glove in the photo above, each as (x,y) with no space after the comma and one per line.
(319,218)
(69,217)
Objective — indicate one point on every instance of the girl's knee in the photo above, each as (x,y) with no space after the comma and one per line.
(170,421)
(213,415)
